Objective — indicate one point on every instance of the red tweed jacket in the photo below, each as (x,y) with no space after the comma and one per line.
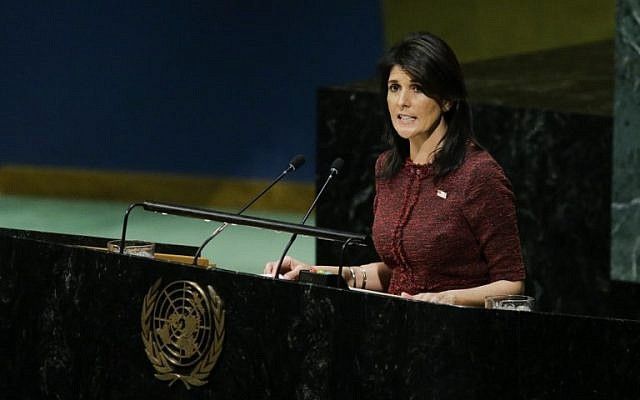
(459,233)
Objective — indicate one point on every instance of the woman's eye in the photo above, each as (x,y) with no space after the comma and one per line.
(394,88)
(416,88)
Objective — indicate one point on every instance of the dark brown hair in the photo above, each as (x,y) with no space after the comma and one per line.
(431,62)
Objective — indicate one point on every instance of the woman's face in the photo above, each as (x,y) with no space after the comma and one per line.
(412,112)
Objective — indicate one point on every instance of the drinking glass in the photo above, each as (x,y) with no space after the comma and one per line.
(138,248)
(514,302)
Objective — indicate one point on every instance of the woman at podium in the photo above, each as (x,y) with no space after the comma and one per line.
(445,223)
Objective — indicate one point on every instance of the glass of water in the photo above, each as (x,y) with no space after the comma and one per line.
(133,247)
(514,302)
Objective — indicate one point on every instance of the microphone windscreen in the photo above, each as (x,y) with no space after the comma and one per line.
(297,161)
(337,164)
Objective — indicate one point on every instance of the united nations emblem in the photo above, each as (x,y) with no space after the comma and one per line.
(182,331)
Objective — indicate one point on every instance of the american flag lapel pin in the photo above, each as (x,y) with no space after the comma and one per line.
(441,194)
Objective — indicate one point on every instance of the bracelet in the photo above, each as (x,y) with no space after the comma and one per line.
(353,276)
(364,278)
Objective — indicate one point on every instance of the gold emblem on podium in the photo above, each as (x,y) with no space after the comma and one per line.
(182,331)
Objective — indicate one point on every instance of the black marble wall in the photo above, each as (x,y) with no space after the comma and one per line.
(349,126)
(70,328)
(555,144)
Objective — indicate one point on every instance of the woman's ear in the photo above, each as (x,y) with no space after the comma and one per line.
(446,106)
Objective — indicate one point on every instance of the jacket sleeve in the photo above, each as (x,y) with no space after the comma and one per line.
(489,207)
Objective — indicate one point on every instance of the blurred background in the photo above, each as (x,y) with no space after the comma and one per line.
(225,88)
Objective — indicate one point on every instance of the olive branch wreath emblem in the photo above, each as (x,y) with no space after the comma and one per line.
(165,369)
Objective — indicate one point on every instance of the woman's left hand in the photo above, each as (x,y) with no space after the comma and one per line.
(447,297)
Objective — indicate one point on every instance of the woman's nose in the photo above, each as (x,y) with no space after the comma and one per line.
(403,99)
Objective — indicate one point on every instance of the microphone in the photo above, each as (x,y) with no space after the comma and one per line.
(336,166)
(295,163)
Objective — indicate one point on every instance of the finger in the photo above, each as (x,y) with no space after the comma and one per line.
(448,299)
(287,261)
(406,295)
(291,275)
(268,267)
(441,299)
(296,268)
(429,297)
(433,298)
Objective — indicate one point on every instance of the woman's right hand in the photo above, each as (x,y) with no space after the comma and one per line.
(290,268)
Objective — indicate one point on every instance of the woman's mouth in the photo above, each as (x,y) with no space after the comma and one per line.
(404,117)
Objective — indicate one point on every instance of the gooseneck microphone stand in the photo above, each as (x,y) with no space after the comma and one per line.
(295,163)
(335,168)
